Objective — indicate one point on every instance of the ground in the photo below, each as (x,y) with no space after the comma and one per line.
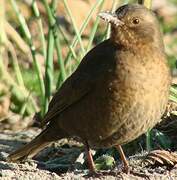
(65,160)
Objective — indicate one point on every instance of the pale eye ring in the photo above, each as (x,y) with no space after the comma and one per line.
(135,21)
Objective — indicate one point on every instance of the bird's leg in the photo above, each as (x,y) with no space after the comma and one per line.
(90,161)
(126,164)
(123,158)
(91,165)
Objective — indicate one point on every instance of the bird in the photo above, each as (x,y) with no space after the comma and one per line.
(118,91)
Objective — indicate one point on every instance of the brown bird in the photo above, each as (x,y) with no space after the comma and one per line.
(118,92)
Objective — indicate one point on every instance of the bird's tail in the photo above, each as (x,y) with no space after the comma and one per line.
(36,145)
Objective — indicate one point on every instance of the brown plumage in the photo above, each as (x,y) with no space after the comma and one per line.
(117,93)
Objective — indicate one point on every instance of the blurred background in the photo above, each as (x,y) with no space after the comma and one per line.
(43,41)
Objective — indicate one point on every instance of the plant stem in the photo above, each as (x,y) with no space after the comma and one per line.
(148,140)
(49,69)
(94,29)
(74,26)
(114,5)
(53,26)
(75,39)
(39,21)
(16,67)
(27,34)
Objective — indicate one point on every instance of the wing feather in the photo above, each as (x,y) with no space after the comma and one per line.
(83,80)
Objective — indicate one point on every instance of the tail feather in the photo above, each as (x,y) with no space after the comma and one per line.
(36,145)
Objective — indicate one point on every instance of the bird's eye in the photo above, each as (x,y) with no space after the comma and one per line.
(135,21)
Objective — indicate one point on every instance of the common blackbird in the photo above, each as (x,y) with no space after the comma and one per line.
(118,92)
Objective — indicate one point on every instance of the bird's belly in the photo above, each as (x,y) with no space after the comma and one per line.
(129,119)
(122,131)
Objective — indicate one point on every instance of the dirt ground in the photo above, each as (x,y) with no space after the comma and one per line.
(65,160)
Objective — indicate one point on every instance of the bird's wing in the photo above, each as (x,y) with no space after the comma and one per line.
(73,89)
(79,84)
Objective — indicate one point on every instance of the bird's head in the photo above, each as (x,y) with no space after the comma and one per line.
(133,25)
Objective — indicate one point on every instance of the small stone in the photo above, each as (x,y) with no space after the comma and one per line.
(3,156)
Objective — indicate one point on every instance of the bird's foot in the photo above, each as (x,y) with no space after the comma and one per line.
(126,169)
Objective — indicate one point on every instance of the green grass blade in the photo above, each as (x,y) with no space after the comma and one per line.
(53,26)
(49,69)
(16,65)
(173,90)
(6,77)
(114,5)
(84,25)
(39,22)
(27,34)
(148,140)
(68,44)
(22,21)
(52,20)
(75,39)
(173,98)
(59,54)
(74,26)
(94,29)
